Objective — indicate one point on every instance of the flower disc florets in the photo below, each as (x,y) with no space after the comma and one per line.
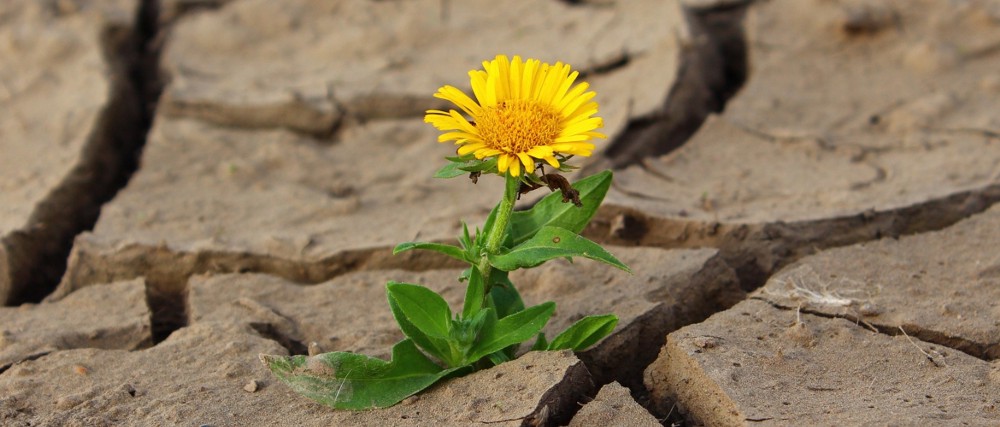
(524,112)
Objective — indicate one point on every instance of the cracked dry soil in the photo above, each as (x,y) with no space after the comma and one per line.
(803,188)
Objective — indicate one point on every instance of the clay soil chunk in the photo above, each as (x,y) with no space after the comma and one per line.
(349,313)
(306,65)
(208,374)
(860,120)
(756,364)
(669,289)
(113,316)
(613,406)
(942,287)
(66,111)
(212,199)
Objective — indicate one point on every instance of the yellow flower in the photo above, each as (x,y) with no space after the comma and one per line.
(523,111)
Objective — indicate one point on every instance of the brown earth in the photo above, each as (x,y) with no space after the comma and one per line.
(831,164)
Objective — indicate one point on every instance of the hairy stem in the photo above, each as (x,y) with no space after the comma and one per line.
(498,232)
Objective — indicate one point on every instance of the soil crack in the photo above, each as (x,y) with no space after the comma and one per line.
(36,356)
(756,250)
(109,158)
(977,350)
(697,92)
(273,333)
(167,272)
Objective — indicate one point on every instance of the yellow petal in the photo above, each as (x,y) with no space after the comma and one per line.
(582,112)
(487,152)
(443,122)
(515,168)
(540,76)
(575,148)
(450,136)
(529,163)
(503,78)
(551,83)
(503,162)
(570,138)
(478,80)
(582,127)
(468,148)
(540,152)
(530,66)
(491,86)
(516,73)
(564,87)
(459,98)
(463,124)
(574,93)
(576,103)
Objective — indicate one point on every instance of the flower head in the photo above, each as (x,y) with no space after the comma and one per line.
(524,111)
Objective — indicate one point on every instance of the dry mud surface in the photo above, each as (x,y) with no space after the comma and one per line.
(803,189)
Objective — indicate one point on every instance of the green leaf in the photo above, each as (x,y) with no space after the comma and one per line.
(462,165)
(506,300)
(450,170)
(550,243)
(452,251)
(489,324)
(436,345)
(584,333)
(552,211)
(466,239)
(475,293)
(540,343)
(510,330)
(487,166)
(423,307)
(353,381)
(505,297)
(453,168)
(498,357)
(488,224)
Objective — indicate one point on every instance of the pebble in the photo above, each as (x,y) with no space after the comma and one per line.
(314,348)
(67,402)
(706,342)
(870,310)
(867,18)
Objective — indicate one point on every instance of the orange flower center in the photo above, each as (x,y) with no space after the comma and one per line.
(516,126)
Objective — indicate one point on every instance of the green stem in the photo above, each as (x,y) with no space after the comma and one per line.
(498,232)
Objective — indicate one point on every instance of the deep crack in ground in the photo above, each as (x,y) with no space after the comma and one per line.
(109,158)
